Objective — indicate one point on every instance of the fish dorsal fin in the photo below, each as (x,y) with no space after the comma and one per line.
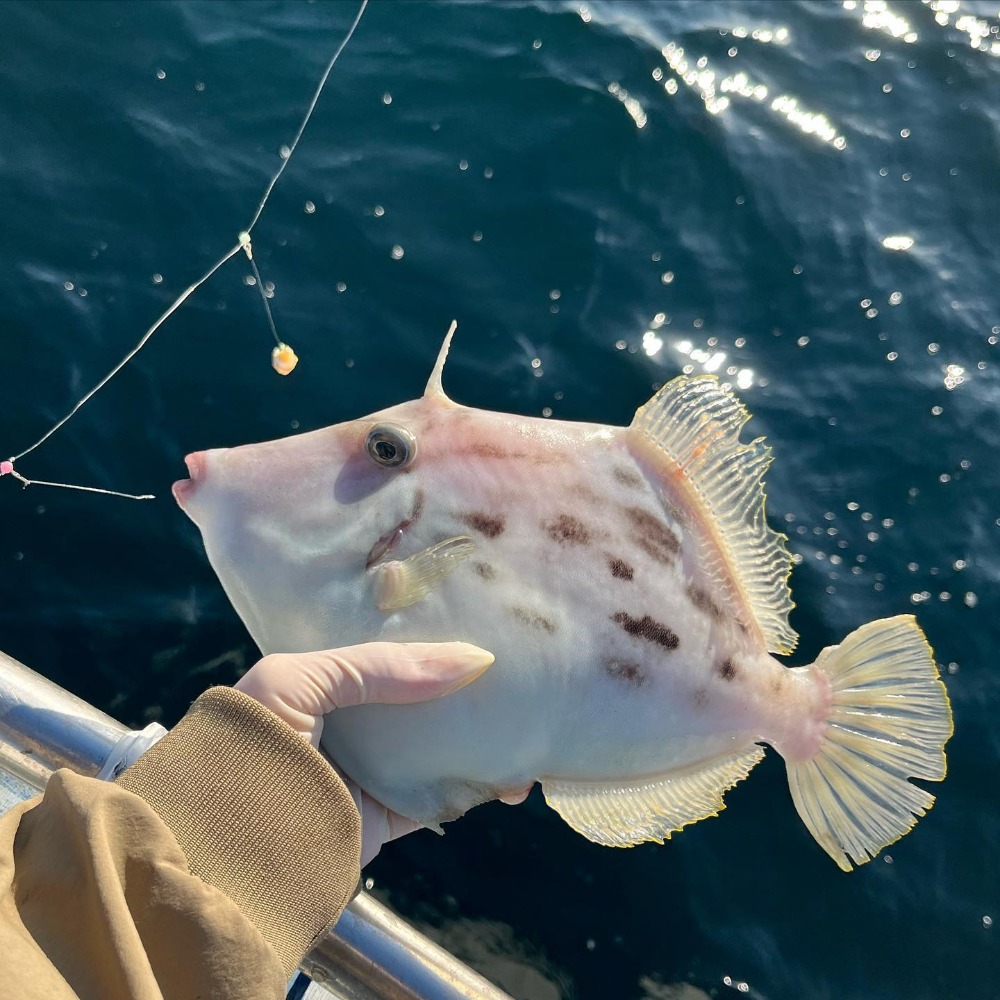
(625,813)
(695,425)
(434,387)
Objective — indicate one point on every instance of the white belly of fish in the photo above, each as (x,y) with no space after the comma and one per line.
(572,695)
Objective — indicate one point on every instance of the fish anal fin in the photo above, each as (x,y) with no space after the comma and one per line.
(402,582)
(625,813)
(693,427)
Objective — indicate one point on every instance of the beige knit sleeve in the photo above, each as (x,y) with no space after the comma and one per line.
(259,814)
(207,870)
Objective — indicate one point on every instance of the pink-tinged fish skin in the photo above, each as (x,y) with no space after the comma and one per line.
(632,673)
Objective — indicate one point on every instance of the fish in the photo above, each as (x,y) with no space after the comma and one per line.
(630,588)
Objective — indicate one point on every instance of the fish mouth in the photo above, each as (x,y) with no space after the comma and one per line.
(183,489)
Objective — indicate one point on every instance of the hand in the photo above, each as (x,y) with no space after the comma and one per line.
(301,688)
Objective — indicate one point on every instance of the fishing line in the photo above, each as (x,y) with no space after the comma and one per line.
(283,357)
(263,297)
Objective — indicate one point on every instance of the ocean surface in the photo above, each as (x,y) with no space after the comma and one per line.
(803,197)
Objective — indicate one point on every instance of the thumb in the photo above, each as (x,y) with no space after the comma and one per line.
(303,687)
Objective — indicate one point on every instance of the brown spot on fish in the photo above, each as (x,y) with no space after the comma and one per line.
(490,525)
(653,536)
(486,449)
(489,450)
(675,511)
(728,670)
(703,602)
(533,620)
(700,698)
(567,530)
(647,628)
(485,570)
(626,671)
(584,492)
(418,508)
(620,569)
(627,477)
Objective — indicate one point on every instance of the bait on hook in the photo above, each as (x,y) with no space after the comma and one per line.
(283,358)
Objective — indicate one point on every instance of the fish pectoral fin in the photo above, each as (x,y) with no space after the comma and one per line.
(400,583)
(623,813)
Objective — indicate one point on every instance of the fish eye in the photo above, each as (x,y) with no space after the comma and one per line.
(390,446)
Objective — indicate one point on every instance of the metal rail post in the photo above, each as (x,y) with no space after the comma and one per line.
(371,954)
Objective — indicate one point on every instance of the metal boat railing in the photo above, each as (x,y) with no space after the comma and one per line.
(371,954)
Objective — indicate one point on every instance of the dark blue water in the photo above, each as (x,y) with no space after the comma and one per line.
(741,229)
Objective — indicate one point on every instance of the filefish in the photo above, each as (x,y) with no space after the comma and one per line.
(630,588)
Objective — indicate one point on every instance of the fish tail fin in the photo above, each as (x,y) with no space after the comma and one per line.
(888,721)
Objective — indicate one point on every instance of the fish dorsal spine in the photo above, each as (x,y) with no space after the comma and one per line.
(694,426)
(434,389)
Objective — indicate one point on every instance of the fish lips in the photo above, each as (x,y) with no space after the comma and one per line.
(184,489)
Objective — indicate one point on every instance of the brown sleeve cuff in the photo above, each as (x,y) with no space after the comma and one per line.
(258,813)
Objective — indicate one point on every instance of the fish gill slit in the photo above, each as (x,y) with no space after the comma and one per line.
(391,538)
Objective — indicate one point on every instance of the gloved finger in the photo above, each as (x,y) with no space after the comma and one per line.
(303,687)
(379,825)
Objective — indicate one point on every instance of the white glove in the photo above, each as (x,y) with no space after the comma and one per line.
(301,688)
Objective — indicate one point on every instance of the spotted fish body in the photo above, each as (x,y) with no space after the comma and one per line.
(629,587)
